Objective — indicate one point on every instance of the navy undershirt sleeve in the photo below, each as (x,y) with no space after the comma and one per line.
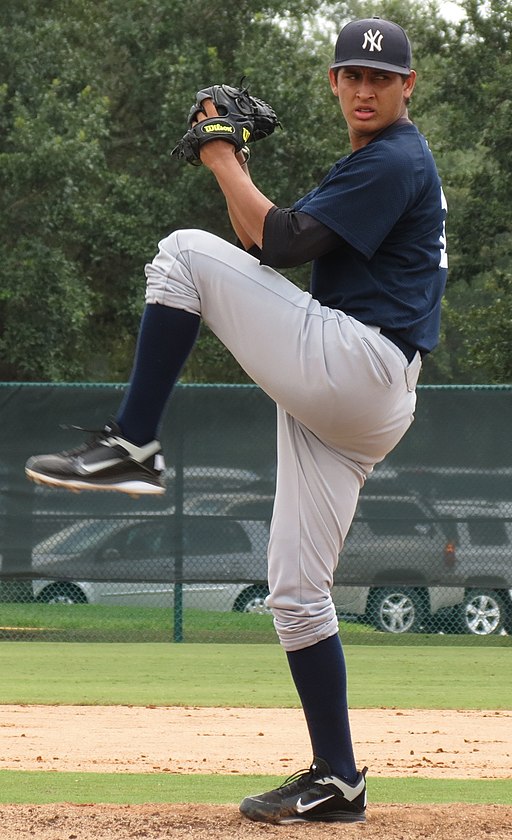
(292,238)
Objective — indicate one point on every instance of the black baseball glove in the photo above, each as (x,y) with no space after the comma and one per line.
(243,119)
(233,130)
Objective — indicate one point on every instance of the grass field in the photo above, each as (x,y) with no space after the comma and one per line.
(253,675)
(99,623)
(134,788)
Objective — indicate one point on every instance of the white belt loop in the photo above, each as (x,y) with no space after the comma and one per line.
(412,372)
(412,369)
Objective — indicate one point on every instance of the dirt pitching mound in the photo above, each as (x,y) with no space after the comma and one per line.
(420,743)
(193,822)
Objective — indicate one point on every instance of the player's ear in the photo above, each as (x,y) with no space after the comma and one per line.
(333,80)
(409,83)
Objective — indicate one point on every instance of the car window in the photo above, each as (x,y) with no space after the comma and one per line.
(215,536)
(146,538)
(72,540)
(487,532)
(201,536)
(389,517)
(141,538)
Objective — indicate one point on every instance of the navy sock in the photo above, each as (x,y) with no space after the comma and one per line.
(166,337)
(319,674)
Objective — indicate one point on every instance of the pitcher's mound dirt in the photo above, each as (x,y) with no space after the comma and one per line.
(391,742)
(223,822)
(442,744)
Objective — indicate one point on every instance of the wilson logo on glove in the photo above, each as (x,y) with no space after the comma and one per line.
(229,129)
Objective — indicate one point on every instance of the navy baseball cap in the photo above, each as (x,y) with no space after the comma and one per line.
(373,42)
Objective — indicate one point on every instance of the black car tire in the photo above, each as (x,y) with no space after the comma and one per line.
(62,593)
(252,600)
(483,612)
(397,609)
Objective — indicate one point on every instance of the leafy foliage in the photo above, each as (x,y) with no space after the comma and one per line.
(95,94)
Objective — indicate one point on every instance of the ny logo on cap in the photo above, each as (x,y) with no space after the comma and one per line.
(372,41)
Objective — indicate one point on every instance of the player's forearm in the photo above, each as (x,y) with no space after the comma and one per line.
(241,233)
(247,206)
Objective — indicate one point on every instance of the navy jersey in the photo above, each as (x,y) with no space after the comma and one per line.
(385,202)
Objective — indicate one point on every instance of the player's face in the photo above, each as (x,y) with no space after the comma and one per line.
(370,99)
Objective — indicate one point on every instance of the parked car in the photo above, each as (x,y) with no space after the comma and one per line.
(221,563)
(394,544)
(482,542)
(393,570)
(401,553)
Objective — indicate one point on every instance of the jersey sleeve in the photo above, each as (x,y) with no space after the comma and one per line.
(363,196)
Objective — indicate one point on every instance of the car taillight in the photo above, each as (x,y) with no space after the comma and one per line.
(450,558)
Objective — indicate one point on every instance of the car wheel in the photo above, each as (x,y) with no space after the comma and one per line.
(252,600)
(483,612)
(62,593)
(397,609)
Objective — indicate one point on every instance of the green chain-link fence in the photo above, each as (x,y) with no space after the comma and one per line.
(430,549)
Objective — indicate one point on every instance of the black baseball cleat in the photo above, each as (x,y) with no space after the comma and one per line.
(106,462)
(314,795)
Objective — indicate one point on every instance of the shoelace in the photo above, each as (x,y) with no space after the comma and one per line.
(96,436)
(297,779)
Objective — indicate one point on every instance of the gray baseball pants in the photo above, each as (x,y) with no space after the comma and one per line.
(345,395)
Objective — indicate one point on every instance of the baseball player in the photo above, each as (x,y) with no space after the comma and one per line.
(341,363)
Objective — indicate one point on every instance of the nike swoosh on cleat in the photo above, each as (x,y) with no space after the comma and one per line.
(100,465)
(301,809)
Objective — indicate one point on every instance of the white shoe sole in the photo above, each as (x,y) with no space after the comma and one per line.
(131,488)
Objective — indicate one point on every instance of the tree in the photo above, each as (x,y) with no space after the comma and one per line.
(474,122)
(94,95)
(52,145)
(90,108)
